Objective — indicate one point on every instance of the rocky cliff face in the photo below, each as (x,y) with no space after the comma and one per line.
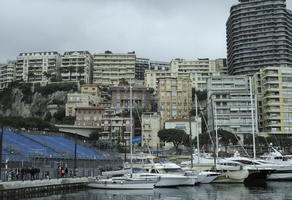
(37,106)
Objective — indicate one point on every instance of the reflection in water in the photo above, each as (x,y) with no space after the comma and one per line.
(273,190)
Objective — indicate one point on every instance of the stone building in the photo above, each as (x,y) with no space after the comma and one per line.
(88,116)
(141,97)
(174,98)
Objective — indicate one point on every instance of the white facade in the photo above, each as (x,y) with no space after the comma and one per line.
(229,104)
(76,66)
(37,66)
(152,77)
(109,68)
(200,70)
(184,124)
(150,127)
(7,74)
(159,65)
(75,100)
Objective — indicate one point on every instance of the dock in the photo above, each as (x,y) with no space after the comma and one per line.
(30,188)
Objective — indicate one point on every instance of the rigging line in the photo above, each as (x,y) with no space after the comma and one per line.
(205,121)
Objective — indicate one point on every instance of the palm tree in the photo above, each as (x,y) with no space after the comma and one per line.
(47,75)
(71,69)
(31,74)
(80,71)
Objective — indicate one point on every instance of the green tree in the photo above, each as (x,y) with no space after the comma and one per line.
(175,136)
(94,135)
(80,71)
(48,117)
(70,70)
(123,82)
(59,115)
(48,75)
(31,76)
(259,140)
(226,138)
(201,94)
(205,141)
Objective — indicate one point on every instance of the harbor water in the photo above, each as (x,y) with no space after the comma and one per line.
(271,191)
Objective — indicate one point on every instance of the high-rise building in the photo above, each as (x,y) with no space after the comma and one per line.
(258,35)
(37,66)
(174,98)
(76,66)
(230,104)
(110,68)
(274,91)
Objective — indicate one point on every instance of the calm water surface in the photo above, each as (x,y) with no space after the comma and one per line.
(273,190)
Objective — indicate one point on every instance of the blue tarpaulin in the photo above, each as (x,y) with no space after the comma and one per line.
(136,139)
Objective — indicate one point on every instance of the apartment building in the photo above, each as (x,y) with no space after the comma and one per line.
(93,91)
(274,91)
(141,97)
(200,70)
(174,98)
(152,77)
(116,129)
(7,74)
(76,66)
(159,65)
(75,100)
(37,66)
(230,104)
(258,35)
(151,125)
(88,115)
(109,68)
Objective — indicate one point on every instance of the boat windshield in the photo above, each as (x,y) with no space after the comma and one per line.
(173,170)
(247,162)
(139,170)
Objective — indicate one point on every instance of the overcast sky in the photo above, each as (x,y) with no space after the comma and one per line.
(155,29)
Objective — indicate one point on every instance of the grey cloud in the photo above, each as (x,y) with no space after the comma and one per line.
(157,29)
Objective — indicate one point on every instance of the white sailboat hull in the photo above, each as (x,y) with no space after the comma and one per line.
(168,180)
(280,176)
(232,177)
(204,178)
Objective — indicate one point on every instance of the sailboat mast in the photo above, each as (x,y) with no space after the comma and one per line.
(214,145)
(191,137)
(131,126)
(252,118)
(216,129)
(198,141)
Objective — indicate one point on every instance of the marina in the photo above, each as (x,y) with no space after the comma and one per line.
(273,190)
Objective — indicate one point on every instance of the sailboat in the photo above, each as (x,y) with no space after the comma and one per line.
(129,181)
